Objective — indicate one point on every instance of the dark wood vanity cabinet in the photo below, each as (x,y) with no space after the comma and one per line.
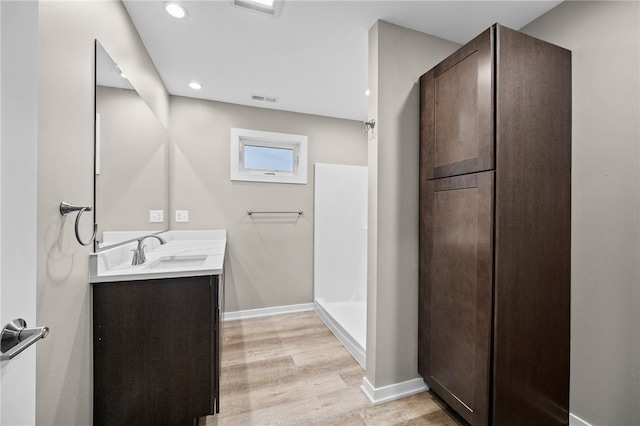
(156,350)
(495,207)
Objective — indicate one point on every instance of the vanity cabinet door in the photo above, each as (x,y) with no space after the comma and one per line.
(456,292)
(456,111)
(152,351)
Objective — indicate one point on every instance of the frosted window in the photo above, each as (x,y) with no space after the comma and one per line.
(259,156)
(268,158)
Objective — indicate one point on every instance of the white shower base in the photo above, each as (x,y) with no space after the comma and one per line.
(348,321)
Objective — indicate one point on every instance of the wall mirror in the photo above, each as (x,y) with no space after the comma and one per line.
(131,182)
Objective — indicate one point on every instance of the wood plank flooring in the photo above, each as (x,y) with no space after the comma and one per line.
(291,370)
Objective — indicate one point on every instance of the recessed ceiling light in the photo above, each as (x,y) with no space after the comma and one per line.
(175,10)
(195,85)
(367,92)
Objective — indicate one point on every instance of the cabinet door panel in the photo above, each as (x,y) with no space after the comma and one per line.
(152,359)
(457,111)
(456,291)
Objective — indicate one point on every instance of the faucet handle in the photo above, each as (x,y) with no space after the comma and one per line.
(138,256)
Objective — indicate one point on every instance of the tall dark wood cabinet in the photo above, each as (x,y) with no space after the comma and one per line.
(495,210)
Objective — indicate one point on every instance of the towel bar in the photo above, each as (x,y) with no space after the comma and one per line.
(299,212)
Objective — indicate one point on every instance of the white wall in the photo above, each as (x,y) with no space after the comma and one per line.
(65,172)
(18,168)
(604,39)
(397,58)
(340,233)
(270,259)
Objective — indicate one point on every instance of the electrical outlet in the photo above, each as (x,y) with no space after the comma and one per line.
(156,216)
(182,215)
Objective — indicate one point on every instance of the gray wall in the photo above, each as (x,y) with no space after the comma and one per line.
(65,172)
(134,163)
(605,313)
(397,58)
(270,258)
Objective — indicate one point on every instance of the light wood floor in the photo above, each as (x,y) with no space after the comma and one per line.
(291,370)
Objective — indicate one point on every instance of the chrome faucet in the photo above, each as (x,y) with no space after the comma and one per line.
(138,254)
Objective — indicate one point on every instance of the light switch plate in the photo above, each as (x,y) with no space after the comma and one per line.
(156,216)
(182,215)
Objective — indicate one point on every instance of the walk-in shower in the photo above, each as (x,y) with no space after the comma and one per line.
(340,253)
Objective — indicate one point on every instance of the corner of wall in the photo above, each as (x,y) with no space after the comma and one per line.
(392,288)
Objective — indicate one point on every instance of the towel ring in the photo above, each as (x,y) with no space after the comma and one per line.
(66,208)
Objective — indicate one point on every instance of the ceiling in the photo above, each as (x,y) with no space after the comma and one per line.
(312,57)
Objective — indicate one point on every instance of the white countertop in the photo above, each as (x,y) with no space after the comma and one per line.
(186,254)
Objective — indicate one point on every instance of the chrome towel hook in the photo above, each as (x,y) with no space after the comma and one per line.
(369,125)
(66,208)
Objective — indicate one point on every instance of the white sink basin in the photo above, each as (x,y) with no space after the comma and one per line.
(185,254)
(178,261)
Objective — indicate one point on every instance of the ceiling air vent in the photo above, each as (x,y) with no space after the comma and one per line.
(267,7)
(263,98)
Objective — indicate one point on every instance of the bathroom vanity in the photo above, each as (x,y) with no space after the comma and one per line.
(156,330)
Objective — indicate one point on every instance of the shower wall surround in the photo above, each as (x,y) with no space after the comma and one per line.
(340,253)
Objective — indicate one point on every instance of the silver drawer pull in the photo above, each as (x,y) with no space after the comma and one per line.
(16,337)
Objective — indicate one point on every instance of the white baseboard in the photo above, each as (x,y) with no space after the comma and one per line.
(265,312)
(576,421)
(394,391)
(357,351)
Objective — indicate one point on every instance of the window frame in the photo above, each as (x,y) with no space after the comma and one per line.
(243,137)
